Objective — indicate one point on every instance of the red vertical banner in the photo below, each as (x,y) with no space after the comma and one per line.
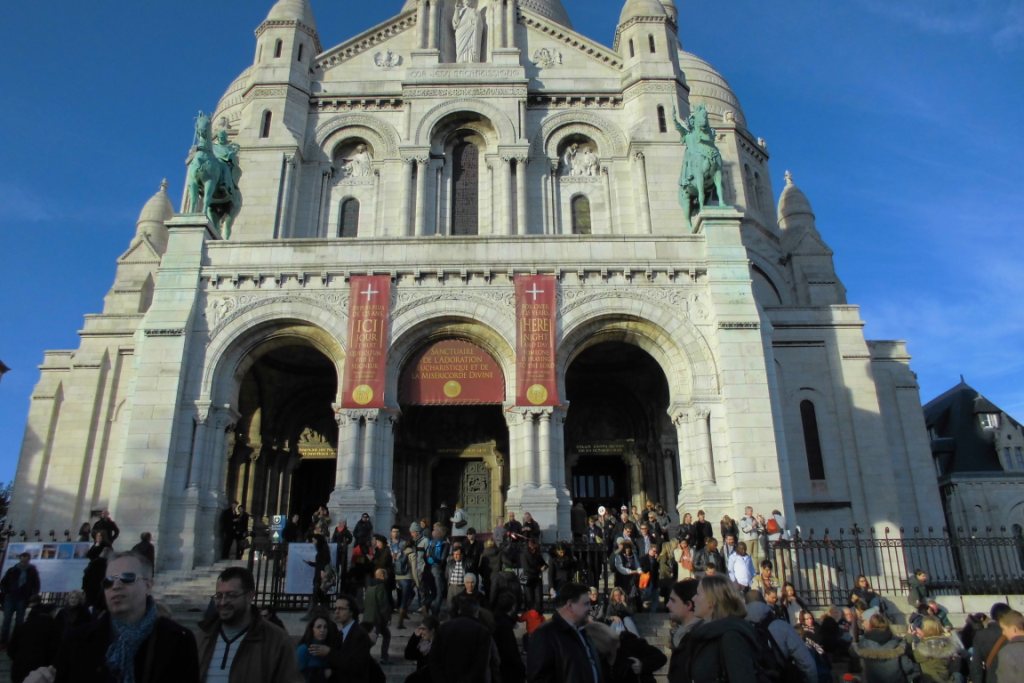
(369,310)
(536,384)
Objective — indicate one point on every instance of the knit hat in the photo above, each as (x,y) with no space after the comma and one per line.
(415,526)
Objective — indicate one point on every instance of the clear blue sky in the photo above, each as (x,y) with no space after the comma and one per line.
(902,121)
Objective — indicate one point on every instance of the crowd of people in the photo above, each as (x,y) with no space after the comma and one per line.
(464,598)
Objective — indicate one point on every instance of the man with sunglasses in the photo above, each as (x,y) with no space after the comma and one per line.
(128,643)
(239,646)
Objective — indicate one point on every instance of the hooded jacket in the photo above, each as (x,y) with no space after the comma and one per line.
(938,658)
(884,657)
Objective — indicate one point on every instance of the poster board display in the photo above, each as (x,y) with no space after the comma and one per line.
(60,565)
(298,576)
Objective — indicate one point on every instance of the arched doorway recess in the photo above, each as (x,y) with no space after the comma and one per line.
(620,444)
(284,457)
(451,443)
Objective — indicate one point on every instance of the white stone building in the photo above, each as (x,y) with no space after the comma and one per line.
(711,368)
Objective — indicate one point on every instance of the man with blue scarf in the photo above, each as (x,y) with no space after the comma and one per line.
(130,643)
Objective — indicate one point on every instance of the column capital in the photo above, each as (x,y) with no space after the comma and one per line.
(638,156)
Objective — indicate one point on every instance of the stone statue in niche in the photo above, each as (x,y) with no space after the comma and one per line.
(579,160)
(466,22)
(702,162)
(357,165)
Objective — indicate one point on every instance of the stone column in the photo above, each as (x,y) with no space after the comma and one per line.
(548,502)
(644,198)
(521,226)
(700,427)
(421,195)
(385,508)
(422,24)
(687,495)
(506,191)
(369,458)
(510,24)
(353,489)
(612,222)
(435,8)
(519,457)
(543,422)
(407,163)
(556,198)
(499,24)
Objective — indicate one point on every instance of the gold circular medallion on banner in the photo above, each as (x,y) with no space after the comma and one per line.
(362,394)
(452,389)
(537,394)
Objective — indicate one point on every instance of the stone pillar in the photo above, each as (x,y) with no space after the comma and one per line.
(386,508)
(556,199)
(421,196)
(612,222)
(510,23)
(548,503)
(435,9)
(407,163)
(422,25)
(369,460)
(521,226)
(506,195)
(353,487)
(520,455)
(644,199)
(499,24)
(701,431)
(688,497)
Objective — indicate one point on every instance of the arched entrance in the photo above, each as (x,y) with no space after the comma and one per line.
(619,442)
(451,444)
(283,461)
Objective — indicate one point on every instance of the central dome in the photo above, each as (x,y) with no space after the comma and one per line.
(552,9)
(709,87)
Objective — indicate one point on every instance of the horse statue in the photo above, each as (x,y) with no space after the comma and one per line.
(702,163)
(212,185)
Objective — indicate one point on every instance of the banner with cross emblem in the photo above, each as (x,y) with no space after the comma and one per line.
(369,310)
(536,383)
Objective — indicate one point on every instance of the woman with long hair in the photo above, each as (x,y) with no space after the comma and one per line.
(792,602)
(684,560)
(320,637)
(864,594)
(724,647)
(937,653)
(618,614)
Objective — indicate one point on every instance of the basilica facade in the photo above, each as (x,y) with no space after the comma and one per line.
(450,264)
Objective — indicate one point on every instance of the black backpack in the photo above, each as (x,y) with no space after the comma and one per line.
(773,663)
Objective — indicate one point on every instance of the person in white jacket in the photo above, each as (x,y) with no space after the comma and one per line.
(741,567)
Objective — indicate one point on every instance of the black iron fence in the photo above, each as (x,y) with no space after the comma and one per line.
(964,561)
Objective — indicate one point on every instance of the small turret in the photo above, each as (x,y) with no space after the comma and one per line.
(646,36)
(810,259)
(157,210)
(794,210)
(288,33)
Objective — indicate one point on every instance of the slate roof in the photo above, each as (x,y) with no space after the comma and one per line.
(959,442)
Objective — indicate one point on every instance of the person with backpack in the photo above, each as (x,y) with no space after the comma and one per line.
(783,654)
(402,567)
(437,558)
(884,657)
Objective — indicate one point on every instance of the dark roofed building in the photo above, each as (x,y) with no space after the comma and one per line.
(978,451)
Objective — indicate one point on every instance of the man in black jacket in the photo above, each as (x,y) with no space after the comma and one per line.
(984,641)
(19,585)
(129,637)
(560,651)
(350,661)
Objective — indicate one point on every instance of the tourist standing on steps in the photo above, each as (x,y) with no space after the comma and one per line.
(240,530)
(145,548)
(19,585)
(460,523)
(238,645)
(560,651)
(130,643)
(106,524)
(680,611)
(226,525)
(350,660)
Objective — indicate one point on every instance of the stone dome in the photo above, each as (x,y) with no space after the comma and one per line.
(794,208)
(641,8)
(707,86)
(552,9)
(158,208)
(292,10)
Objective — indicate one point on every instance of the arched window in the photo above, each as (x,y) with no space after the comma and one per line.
(650,43)
(265,125)
(278,46)
(662,125)
(299,57)
(632,52)
(348,221)
(580,215)
(465,188)
(812,442)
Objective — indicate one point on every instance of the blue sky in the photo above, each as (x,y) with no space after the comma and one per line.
(900,119)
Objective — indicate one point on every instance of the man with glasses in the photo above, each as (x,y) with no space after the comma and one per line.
(239,646)
(560,651)
(130,642)
(350,661)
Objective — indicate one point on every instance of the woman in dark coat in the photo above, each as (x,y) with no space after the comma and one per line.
(533,565)
(724,647)
(625,657)
(562,567)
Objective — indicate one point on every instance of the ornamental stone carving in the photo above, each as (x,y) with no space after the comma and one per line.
(547,57)
(387,59)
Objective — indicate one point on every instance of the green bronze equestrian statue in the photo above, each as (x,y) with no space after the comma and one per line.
(702,163)
(212,182)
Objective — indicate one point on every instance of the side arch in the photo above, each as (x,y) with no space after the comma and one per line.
(381,135)
(275,322)
(609,138)
(674,343)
